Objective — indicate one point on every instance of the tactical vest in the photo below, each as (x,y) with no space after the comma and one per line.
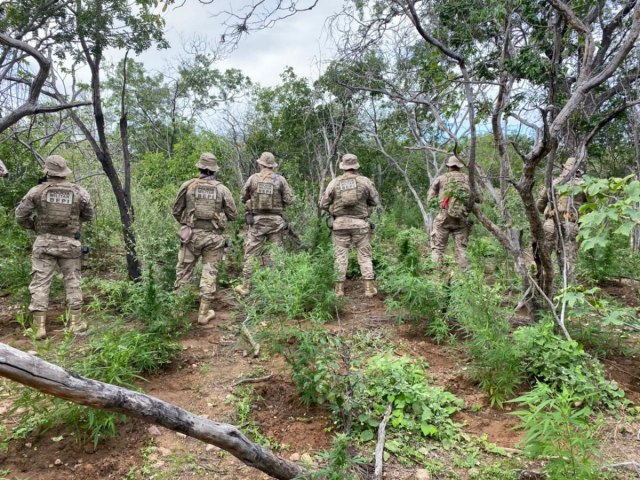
(267,197)
(350,197)
(204,199)
(58,209)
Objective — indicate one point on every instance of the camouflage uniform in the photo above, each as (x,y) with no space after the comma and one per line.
(563,219)
(4,172)
(60,207)
(349,199)
(266,195)
(203,207)
(445,223)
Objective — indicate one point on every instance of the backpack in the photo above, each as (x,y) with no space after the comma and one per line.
(457,194)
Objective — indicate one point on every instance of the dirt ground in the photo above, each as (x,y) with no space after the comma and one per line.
(201,381)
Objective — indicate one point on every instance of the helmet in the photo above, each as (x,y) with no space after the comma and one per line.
(453,161)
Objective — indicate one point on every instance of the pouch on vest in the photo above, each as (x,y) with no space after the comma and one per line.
(185,233)
(57,206)
(205,201)
(347,190)
(264,194)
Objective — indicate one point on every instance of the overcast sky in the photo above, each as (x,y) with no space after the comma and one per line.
(299,41)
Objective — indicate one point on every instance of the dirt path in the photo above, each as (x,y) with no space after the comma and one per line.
(201,382)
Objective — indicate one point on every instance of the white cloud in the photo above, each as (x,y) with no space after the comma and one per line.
(299,42)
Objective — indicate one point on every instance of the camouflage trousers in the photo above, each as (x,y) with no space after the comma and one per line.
(265,229)
(443,226)
(565,245)
(359,238)
(48,251)
(209,246)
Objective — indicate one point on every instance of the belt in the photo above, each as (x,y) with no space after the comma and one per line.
(205,225)
(266,212)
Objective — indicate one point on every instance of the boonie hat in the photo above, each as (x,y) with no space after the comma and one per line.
(349,162)
(267,160)
(208,161)
(56,166)
(453,161)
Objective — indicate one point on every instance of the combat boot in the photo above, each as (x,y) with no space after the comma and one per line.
(77,325)
(244,289)
(339,289)
(369,289)
(206,313)
(39,320)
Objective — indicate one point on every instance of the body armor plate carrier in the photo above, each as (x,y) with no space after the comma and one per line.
(267,197)
(58,211)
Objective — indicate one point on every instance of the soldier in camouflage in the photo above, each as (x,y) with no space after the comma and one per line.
(55,210)
(453,193)
(203,207)
(266,195)
(349,199)
(561,226)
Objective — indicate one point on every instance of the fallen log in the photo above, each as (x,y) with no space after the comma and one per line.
(53,380)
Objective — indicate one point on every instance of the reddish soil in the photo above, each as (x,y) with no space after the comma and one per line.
(201,379)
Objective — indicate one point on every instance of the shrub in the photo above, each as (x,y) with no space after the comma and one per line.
(296,286)
(410,291)
(555,428)
(477,308)
(358,390)
(563,364)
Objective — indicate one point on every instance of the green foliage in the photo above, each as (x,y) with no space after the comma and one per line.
(563,364)
(298,285)
(598,264)
(478,309)
(15,268)
(558,426)
(410,288)
(339,461)
(612,209)
(597,321)
(358,388)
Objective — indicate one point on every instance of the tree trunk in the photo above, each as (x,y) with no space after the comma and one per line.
(50,379)
(103,153)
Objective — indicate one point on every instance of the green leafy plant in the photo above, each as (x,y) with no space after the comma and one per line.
(477,308)
(612,209)
(297,285)
(559,426)
(563,364)
(358,389)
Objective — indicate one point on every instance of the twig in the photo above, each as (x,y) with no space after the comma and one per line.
(635,466)
(377,473)
(242,381)
(255,345)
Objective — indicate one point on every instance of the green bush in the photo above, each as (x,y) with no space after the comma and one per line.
(563,364)
(296,286)
(477,308)
(15,267)
(410,290)
(556,428)
(358,389)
